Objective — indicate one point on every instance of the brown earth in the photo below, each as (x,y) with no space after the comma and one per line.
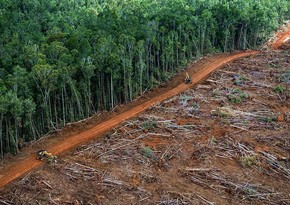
(190,149)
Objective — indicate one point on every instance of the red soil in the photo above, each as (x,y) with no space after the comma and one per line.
(282,37)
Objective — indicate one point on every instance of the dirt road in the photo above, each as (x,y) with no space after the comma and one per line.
(20,168)
(282,37)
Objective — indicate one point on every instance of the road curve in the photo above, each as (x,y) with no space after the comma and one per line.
(20,168)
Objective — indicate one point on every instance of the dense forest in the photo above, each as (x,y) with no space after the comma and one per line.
(64,60)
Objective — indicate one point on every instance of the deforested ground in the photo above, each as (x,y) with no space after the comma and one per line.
(226,141)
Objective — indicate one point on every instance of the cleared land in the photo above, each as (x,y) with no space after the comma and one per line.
(71,140)
(79,133)
(225,141)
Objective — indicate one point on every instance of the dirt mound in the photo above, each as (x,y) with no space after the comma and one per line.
(280,37)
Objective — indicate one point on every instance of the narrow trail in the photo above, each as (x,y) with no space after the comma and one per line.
(18,169)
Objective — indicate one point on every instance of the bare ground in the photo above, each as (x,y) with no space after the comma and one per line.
(226,141)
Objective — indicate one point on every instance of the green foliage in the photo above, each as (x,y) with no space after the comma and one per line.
(250,190)
(61,61)
(285,77)
(147,152)
(184,100)
(280,89)
(240,80)
(195,106)
(149,124)
(237,96)
(248,160)
(224,113)
(268,119)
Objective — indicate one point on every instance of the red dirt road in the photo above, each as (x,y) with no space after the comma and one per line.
(18,169)
(282,37)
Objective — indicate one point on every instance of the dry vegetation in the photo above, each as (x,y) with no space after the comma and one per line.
(225,141)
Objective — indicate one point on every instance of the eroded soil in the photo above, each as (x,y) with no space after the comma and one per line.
(226,141)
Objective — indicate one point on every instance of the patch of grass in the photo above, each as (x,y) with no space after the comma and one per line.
(223,114)
(234,99)
(275,65)
(245,122)
(184,99)
(236,91)
(195,106)
(237,96)
(268,119)
(280,89)
(220,113)
(248,160)
(147,152)
(248,190)
(149,124)
(285,77)
(239,79)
